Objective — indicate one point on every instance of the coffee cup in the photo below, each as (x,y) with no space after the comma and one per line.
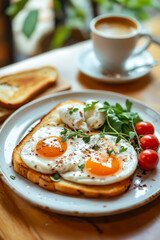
(115,38)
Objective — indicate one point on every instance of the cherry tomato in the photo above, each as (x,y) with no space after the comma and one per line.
(149,142)
(143,128)
(148,159)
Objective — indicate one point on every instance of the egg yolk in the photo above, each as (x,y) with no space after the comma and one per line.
(51,147)
(103,167)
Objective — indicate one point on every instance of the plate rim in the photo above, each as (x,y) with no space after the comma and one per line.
(107,79)
(70,212)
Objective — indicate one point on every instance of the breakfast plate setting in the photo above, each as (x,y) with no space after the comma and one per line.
(145,184)
(115,55)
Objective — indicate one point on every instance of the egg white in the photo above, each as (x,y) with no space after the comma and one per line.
(77,153)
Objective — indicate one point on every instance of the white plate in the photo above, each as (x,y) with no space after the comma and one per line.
(19,122)
(89,65)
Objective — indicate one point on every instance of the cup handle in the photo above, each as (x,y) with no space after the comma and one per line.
(140,49)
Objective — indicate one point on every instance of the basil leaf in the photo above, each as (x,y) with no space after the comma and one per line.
(30,23)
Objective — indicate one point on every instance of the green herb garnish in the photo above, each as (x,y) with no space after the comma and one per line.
(86,139)
(64,139)
(128,105)
(73,110)
(81,166)
(120,122)
(12,177)
(109,151)
(55,178)
(122,149)
(96,147)
(118,139)
(132,135)
(67,134)
(89,106)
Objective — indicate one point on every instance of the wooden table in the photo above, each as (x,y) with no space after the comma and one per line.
(19,220)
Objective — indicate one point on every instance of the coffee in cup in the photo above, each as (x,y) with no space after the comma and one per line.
(115,27)
(114,40)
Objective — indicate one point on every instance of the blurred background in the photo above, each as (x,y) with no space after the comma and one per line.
(31,27)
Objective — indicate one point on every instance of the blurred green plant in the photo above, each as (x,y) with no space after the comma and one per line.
(70,16)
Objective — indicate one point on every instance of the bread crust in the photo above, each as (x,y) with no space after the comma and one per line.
(29,84)
(64,186)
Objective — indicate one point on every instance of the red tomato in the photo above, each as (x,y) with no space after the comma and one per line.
(149,142)
(143,128)
(148,159)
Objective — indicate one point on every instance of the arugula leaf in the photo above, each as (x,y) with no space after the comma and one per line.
(128,105)
(89,106)
(12,177)
(115,122)
(122,149)
(55,178)
(106,103)
(81,166)
(119,107)
(73,110)
(132,135)
(30,23)
(15,8)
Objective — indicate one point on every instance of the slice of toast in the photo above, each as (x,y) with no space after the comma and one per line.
(44,180)
(4,113)
(19,88)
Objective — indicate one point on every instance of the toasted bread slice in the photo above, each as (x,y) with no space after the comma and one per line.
(4,113)
(63,186)
(19,88)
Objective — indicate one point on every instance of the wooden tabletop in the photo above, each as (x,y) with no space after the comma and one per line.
(20,220)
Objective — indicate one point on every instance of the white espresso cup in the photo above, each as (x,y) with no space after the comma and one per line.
(115,38)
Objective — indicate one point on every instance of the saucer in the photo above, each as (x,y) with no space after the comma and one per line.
(89,65)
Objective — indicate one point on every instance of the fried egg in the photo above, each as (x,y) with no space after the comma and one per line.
(78,161)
